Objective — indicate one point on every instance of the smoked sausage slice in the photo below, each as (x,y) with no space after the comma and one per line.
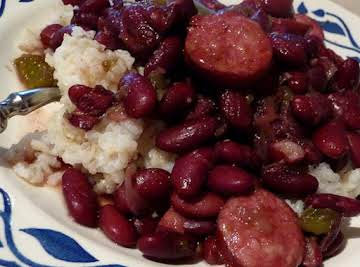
(260,231)
(227,49)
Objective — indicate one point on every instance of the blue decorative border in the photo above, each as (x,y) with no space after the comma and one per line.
(3,4)
(57,245)
(335,25)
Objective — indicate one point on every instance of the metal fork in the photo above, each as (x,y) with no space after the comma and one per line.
(24,102)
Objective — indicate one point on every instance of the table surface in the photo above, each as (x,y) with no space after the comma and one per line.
(352,5)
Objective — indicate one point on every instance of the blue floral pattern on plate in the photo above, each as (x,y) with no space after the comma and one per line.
(332,23)
(56,244)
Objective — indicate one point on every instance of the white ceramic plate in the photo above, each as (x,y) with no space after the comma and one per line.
(35,229)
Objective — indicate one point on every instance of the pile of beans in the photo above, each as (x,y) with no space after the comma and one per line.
(297,105)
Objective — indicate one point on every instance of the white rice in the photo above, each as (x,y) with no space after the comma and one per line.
(344,184)
(347,184)
(157,158)
(37,171)
(82,60)
(296,205)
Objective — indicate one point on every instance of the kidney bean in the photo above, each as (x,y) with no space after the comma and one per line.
(109,21)
(116,227)
(146,225)
(210,251)
(311,109)
(166,58)
(204,106)
(317,78)
(141,96)
(48,33)
(346,105)
(354,145)
(75,92)
(228,180)
(347,75)
(120,200)
(80,197)
(335,247)
(58,36)
(313,256)
(187,136)
(236,110)
(347,206)
(298,82)
(207,205)
(330,139)
(190,172)
(289,48)
(73,2)
(167,246)
(132,26)
(88,21)
(284,180)
(199,227)
(177,99)
(228,151)
(107,39)
(278,8)
(289,26)
(152,184)
(95,101)
(81,120)
(94,6)
(161,18)
(136,203)
(172,221)
(286,150)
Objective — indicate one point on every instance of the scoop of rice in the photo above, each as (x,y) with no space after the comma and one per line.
(82,60)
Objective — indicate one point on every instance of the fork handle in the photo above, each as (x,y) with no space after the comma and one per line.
(24,102)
